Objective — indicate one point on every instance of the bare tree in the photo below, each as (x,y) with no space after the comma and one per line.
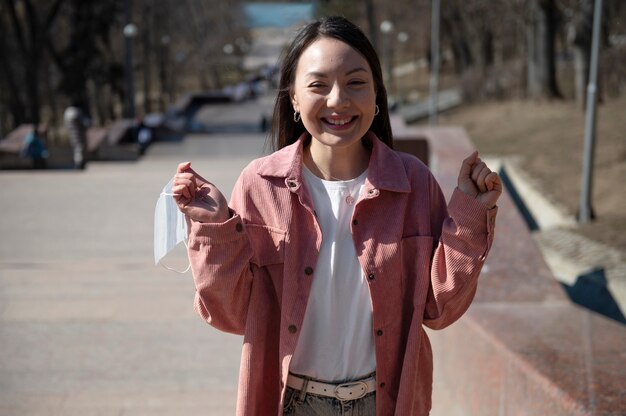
(30,27)
(542,26)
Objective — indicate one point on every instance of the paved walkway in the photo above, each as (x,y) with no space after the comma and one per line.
(88,324)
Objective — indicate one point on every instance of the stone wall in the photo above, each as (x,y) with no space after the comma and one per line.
(523,348)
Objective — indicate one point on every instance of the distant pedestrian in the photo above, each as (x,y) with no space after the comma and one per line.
(335,250)
(144,137)
(34,146)
(76,124)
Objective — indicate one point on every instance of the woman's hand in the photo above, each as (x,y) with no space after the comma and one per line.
(197,198)
(478,181)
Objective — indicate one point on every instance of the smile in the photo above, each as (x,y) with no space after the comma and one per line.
(339,122)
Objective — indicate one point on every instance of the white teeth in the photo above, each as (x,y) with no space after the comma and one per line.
(339,122)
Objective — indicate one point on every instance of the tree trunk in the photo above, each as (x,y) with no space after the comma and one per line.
(14,100)
(147,47)
(372,27)
(583,27)
(487,48)
(541,37)
(452,25)
(50,97)
(29,53)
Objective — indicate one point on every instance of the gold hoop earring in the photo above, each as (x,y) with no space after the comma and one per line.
(377,110)
(296,116)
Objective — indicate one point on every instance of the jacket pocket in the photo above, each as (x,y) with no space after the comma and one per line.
(268,244)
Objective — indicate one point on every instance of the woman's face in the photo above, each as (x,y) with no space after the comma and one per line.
(334,92)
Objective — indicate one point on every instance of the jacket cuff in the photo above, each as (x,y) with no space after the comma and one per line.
(467,210)
(210,233)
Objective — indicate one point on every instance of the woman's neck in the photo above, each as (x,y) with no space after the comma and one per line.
(335,163)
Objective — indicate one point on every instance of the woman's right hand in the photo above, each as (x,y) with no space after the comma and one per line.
(198,198)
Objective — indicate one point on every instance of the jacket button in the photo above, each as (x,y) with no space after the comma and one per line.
(371,276)
(379,332)
(355,222)
(292,329)
(308,271)
(382,384)
(239,227)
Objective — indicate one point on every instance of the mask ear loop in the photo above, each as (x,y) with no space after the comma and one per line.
(173,269)
(184,242)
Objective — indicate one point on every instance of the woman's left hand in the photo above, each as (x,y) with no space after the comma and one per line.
(478,181)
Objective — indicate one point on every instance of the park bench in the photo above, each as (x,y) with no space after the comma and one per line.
(11,147)
(13,142)
(116,142)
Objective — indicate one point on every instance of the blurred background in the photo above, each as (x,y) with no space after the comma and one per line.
(100,99)
(55,53)
(513,73)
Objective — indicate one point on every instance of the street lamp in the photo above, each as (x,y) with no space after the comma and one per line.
(166,90)
(434,62)
(130,31)
(585,213)
(403,37)
(228,49)
(386,28)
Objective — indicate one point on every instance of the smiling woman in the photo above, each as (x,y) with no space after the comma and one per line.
(335,250)
(335,96)
(285,130)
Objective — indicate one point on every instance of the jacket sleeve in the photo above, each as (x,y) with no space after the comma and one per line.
(463,233)
(220,255)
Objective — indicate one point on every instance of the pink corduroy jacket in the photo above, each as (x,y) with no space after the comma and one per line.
(253,273)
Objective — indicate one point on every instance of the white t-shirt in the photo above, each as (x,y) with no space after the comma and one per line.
(336,341)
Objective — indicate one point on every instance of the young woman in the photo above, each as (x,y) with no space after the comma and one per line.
(335,249)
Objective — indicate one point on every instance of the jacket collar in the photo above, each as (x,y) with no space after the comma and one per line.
(385,171)
(386,168)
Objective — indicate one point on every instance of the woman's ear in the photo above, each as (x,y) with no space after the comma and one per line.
(294,103)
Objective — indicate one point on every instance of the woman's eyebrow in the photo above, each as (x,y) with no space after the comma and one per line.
(323,75)
(359,69)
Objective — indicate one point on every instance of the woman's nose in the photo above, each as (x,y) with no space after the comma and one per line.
(337,98)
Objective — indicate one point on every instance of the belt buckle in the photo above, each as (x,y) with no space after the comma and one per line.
(349,396)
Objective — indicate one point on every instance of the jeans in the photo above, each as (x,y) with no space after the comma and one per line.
(315,405)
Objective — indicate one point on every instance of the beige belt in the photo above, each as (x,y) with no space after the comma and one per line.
(344,391)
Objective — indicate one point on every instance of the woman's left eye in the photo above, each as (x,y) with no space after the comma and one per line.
(357,84)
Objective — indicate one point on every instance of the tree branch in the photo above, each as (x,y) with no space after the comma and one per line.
(17,29)
(52,14)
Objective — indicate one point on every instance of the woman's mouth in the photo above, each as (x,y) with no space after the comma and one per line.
(339,123)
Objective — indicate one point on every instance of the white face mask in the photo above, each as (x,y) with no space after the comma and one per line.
(170,226)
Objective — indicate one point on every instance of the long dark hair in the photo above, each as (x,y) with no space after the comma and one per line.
(285,130)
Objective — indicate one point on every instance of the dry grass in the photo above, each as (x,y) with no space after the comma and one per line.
(549,137)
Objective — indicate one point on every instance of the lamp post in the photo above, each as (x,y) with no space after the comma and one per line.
(585,213)
(166,93)
(386,28)
(434,63)
(130,31)
(403,37)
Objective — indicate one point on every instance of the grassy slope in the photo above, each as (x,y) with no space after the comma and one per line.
(549,138)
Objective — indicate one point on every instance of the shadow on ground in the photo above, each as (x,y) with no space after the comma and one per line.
(591,291)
